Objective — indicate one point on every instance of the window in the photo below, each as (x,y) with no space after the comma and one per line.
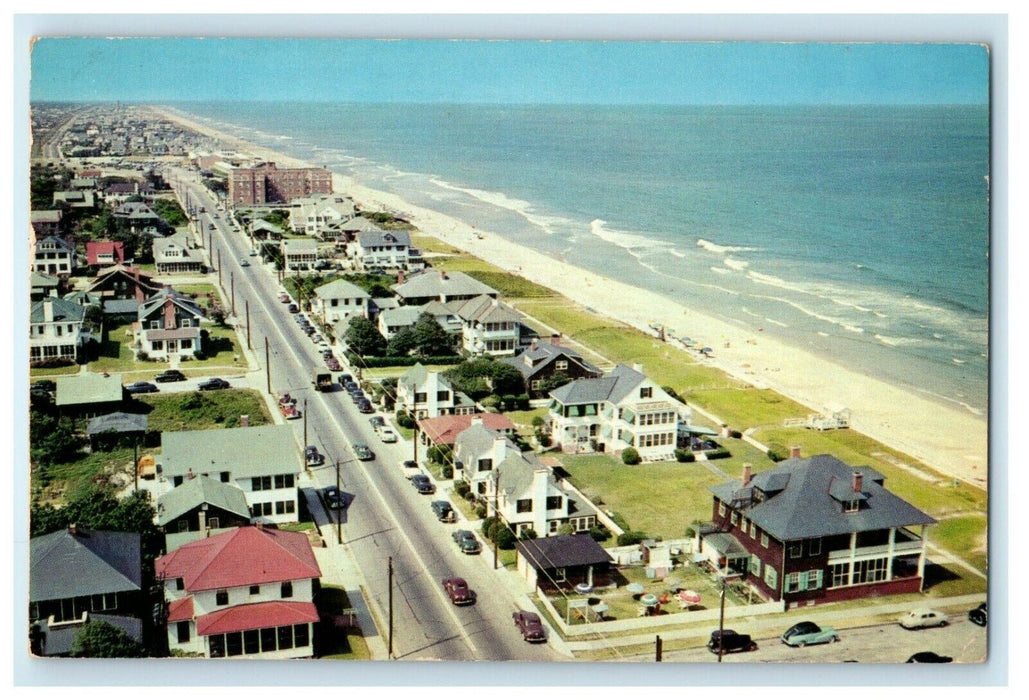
(744,524)
(814,579)
(179,584)
(255,590)
(764,540)
(792,582)
(814,546)
(840,574)
(561,365)
(221,597)
(186,323)
(182,630)
(104,601)
(851,506)
(234,643)
(268,638)
(485,465)
(251,642)
(734,518)
(755,565)
(646,392)
(301,638)
(559,574)
(870,571)
(753,530)
(553,525)
(535,384)
(225,477)
(796,550)
(154,325)
(283,481)
(286,590)
(284,507)
(524,505)
(771,577)
(721,509)
(260,483)
(286,637)
(553,502)
(259,509)
(216,645)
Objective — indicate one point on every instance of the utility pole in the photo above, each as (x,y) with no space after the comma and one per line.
(339,518)
(657,648)
(246,303)
(267,365)
(135,462)
(232,286)
(496,517)
(305,424)
(721,621)
(414,417)
(390,637)
(220,268)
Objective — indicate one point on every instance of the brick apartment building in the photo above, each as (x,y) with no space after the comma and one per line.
(265,183)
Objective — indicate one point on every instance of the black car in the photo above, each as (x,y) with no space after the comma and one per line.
(213,384)
(170,375)
(730,641)
(365,406)
(422,484)
(141,388)
(444,513)
(466,541)
(377,422)
(978,615)
(333,498)
(313,457)
(410,464)
(345,379)
(293,309)
(362,452)
(929,657)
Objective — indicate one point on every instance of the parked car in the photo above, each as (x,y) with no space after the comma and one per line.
(408,465)
(213,384)
(929,657)
(285,298)
(422,484)
(730,641)
(376,422)
(362,452)
(243,262)
(978,615)
(365,406)
(345,379)
(467,542)
(141,388)
(530,625)
(387,435)
(805,633)
(294,309)
(333,364)
(317,338)
(923,617)
(313,457)
(333,498)
(170,375)
(253,251)
(458,591)
(444,513)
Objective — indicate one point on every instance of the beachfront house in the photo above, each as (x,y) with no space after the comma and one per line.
(168,326)
(427,394)
(78,576)
(104,253)
(53,256)
(263,461)
(42,285)
(320,216)
(438,285)
(338,300)
(621,409)
(177,254)
(816,530)
(299,255)
(546,366)
(55,330)
(383,249)
(392,321)
(248,592)
(488,326)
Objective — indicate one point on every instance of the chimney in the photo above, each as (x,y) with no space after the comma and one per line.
(856,482)
(189,474)
(48,311)
(746,473)
(169,314)
(556,339)
(244,420)
(638,367)
(443,274)
(73,529)
(499,449)
(400,277)
(534,345)
(202,517)
(795,452)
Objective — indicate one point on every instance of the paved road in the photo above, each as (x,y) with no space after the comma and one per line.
(385,517)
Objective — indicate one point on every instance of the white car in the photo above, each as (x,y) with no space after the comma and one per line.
(922,618)
(386,434)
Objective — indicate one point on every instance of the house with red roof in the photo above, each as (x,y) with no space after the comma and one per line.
(105,253)
(246,592)
(443,430)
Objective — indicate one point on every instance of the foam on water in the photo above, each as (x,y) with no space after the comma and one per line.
(722,249)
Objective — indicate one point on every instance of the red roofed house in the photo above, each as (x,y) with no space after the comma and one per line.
(443,430)
(105,253)
(246,592)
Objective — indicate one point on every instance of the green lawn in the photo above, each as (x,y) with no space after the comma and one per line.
(40,372)
(661,499)
(221,350)
(745,407)
(337,642)
(61,483)
(203,410)
(429,244)
(964,536)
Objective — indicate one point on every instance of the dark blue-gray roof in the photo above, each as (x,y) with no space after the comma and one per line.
(562,550)
(803,500)
(64,564)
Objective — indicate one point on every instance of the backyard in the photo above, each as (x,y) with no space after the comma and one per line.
(221,353)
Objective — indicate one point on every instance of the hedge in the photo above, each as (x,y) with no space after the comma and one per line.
(406,361)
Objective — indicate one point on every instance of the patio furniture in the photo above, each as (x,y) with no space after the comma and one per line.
(635,588)
(649,600)
(583,588)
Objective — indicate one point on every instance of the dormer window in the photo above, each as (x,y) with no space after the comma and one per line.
(851,506)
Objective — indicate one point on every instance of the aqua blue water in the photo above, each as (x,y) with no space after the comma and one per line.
(860,233)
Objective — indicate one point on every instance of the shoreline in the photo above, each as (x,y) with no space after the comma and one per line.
(946,438)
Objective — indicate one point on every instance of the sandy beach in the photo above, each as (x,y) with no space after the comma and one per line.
(947,438)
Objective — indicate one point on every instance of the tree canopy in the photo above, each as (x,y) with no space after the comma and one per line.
(102,640)
(364,339)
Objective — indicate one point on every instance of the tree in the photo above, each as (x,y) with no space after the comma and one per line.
(506,379)
(630,456)
(102,640)
(557,379)
(363,338)
(52,440)
(430,339)
(402,343)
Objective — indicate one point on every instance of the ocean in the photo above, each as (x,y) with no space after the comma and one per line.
(860,233)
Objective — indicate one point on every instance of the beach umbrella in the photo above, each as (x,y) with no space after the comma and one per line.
(635,588)
(649,600)
(689,597)
(601,608)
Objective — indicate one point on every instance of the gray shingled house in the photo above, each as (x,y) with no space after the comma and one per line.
(201,506)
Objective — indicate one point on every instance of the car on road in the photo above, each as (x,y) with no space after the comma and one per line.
(290,412)
(284,298)
(213,384)
(730,641)
(365,406)
(408,465)
(804,633)
(170,375)
(333,364)
(376,422)
(345,379)
(978,615)
(141,388)
(333,498)
(313,457)
(922,618)
(458,591)
(317,338)
(253,252)
(466,541)
(442,510)
(530,625)
(386,434)
(362,452)
(293,309)
(422,484)
(243,262)
(929,657)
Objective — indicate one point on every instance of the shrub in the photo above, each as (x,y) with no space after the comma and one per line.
(544,439)
(631,537)
(620,521)
(440,454)
(735,434)
(599,533)
(630,456)
(566,529)
(777,452)
(480,510)
(448,471)
(684,456)
(505,538)
(690,532)
(462,488)
(405,420)
(537,422)
(720,453)
(490,403)
(528,534)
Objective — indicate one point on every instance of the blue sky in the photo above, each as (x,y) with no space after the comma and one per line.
(175,69)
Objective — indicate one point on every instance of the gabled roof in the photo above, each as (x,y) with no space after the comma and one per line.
(341,289)
(241,557)
(78,389)
(273,613)
(164,295)
(802,500)
(161,246)
(67,564)
(197,491)
(43,280)
(419,374)
(358,224)
(51,242)
(132,274)
(517,471)
(477,440)
(541,354)
(262,225)
(135,210)
(561,551)
(435,283)
(378,237)
(484,309)
(613,387)
(445,429)
(45,216)
(94,249)
(294,246)
(118,422)
(64,311)
(245,452)
(401,316)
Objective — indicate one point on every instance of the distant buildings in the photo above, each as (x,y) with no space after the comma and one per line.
(53,256)
(266,183)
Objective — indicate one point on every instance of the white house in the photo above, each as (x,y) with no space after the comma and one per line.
(299,255)
(427,394)
(321,215)
(248,592)
(385,249)
(338,300)
(392,321)
(621,409)
(263,461)
(439,285)
(488,326)
(55,330)
(53,256)
(168,325)
(177,254)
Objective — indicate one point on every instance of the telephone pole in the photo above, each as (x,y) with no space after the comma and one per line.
(246,303)
(721,621)
(232,286)
(339,517)
(305,424)
(658,646)
(390,636)
(267,365)
(496,518)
